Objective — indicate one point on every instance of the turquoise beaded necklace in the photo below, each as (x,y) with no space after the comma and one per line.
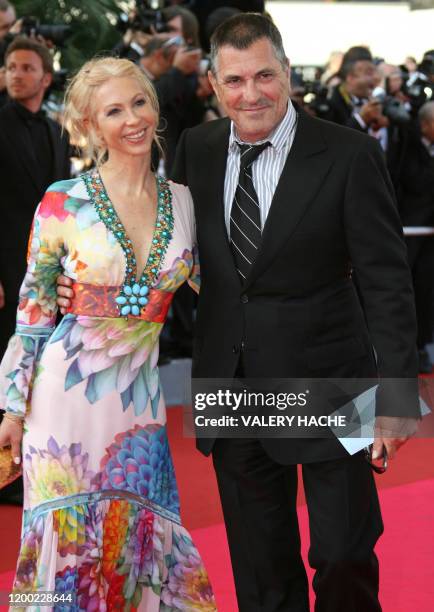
(133,295)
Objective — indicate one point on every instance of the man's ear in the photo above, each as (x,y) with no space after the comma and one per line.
(288,66)
(214,83)
(47,79)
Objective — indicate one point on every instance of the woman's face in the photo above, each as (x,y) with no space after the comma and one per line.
(123,117)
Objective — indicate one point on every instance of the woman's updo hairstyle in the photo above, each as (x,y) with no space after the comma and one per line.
(79,95)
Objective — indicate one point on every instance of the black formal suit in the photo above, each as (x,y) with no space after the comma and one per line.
(298,315)
(22,186)
(416,205)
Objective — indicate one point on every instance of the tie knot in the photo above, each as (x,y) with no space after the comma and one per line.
(248,154)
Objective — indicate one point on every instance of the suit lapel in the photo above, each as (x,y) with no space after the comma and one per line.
(305,169)
(217,143)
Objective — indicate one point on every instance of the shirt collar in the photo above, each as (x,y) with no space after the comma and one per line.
(278,137)
(429,145)
(148,74)
(26,114)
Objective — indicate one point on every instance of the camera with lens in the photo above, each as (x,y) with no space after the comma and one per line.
(393,109)
(54,32)
(418,91)
(146,19)
(315,97)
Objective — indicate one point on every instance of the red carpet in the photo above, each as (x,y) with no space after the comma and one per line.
(406,550)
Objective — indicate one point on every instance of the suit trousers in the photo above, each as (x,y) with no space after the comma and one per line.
(259,505)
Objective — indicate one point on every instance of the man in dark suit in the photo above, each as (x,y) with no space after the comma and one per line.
(351,104)
(282,304)
(286,206)
(33,154)
(416,205)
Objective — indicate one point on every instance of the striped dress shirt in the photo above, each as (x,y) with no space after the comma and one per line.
(266,169)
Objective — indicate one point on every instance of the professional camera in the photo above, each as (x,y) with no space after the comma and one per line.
(56,33)
(316,98)
(418,91)
(146,19)
(393,109)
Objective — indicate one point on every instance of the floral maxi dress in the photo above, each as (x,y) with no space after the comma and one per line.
(101,509)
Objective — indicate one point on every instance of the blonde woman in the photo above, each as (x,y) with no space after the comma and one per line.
(101,513)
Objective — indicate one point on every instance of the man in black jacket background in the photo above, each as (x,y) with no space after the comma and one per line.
(416,205)
(33,154)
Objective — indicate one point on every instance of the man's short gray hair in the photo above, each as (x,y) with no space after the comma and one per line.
(426,112)
(5,6)
(241,31)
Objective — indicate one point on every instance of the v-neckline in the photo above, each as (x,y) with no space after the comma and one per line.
(161,235)
(132,260)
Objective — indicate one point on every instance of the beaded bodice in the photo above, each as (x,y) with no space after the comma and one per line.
(133,295)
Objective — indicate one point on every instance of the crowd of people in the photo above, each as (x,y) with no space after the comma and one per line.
(152,106)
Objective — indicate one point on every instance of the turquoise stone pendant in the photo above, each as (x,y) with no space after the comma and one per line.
(132,299)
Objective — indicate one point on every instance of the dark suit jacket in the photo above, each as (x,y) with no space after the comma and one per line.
(416,202)
(298,313)
(180,108)
(341,110)
(416,199)
(21,191)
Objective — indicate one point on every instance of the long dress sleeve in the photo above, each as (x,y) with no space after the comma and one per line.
(37,308)
(194,278)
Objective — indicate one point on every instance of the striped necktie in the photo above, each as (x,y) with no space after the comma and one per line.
(245,222)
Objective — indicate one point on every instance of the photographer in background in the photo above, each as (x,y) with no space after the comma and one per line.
(173,68)
(416,206)
(182,22)
(351,102)
(7,19)
(360,103)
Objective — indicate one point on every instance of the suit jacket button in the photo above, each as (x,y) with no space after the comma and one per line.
(244,298)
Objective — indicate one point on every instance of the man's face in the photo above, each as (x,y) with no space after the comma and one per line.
(363,79)
(253,88)
(427,129)
(175,26)
(7,20)
(25,76)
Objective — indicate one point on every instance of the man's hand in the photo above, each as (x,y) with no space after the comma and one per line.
(64,293)
(392,433)
(17,27)
(2,297)
(187,61)
(371,112)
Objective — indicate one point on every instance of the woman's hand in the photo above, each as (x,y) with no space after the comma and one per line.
(11,434)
